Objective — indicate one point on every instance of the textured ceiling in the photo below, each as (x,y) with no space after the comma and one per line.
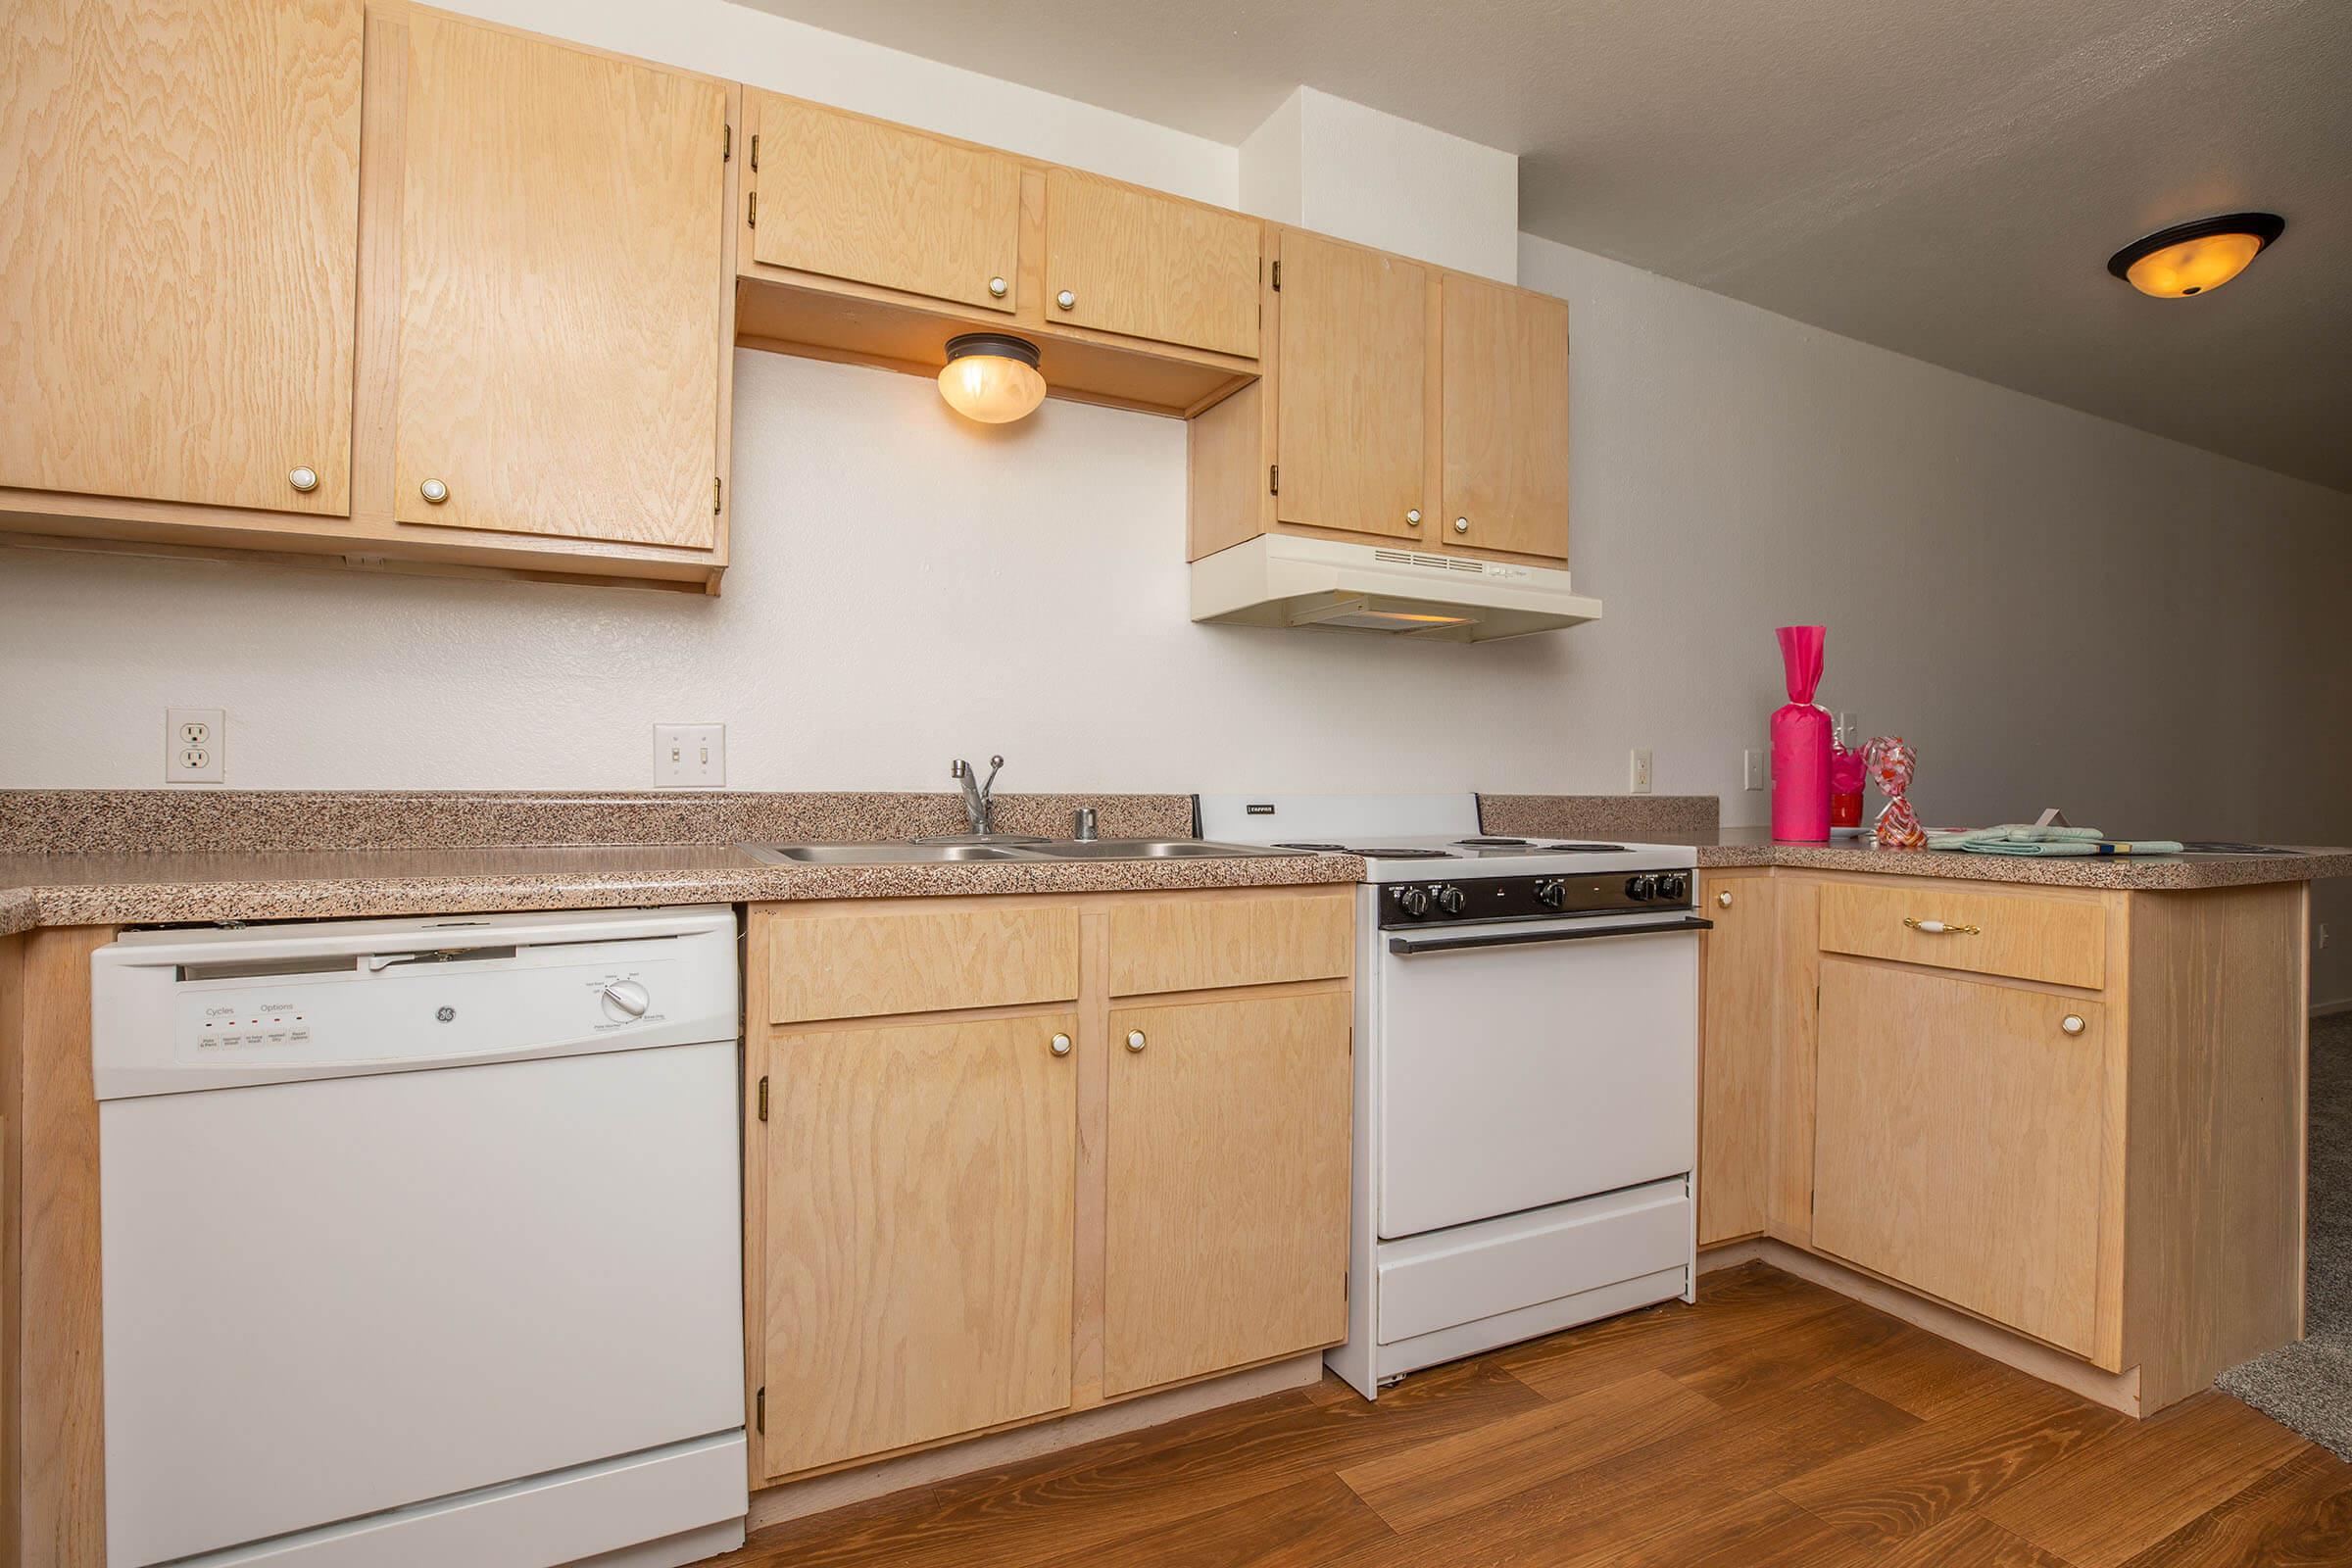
(1946,180)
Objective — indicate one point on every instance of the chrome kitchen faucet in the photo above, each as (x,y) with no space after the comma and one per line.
(979,800)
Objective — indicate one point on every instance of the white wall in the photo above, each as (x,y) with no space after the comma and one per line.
(2055,610)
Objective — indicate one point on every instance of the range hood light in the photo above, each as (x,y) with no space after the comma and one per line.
(992,377)
(2192,258)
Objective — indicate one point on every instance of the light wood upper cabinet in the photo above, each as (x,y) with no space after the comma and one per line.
(1505,418)
(563,296)
(1738,969)
(919,1234)
(1226,1229)
(874,203)
(179,249)
(1351,393)
(1960,1144)
(1153,266)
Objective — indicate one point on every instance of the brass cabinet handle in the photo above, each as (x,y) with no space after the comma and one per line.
(305,479)
(434,491)
(996,288)
(2072,1023)
(1061,1045)
(1461,525)
(1722,900)
(1940,928)
(1414,515)
(1135,1040)
(1066,300)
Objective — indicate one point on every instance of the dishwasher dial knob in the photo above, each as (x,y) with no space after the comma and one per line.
(625,1000)
(1673,887)
(1450,899)
(1413,901)
(1641,888)
(1552,895)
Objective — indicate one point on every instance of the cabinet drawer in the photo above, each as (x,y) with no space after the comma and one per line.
(1200,943)
(2061,941)
(862,964)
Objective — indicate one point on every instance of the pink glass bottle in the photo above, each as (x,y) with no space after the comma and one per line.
(1800,744)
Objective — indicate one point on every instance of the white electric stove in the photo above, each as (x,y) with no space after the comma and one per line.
(1526,1074)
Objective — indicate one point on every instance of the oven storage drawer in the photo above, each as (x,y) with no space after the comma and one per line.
(1445,1278)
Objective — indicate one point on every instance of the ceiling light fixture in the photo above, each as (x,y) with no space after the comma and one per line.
(2196,257)
(992,377)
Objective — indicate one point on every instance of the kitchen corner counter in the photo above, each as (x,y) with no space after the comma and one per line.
(69,889)
(2153,873)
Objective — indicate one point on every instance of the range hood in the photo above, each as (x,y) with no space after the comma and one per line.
(1288,580)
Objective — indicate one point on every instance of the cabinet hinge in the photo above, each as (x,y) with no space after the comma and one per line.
(726,145)
(717,490)
(1278,278)
(760,1410)
(763,1096)
(1273,478)
(754,151)
(751,210)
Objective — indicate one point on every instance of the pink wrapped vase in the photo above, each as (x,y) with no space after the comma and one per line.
(1800,743)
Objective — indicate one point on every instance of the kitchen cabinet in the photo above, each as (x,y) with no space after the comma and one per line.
(180,250)
(1121,259)
(984,1184)
(550,380)
(1960,1143)
(1352,399)
(1505,418)
(1736,970)
(870,202)
(1226,1238)
(919,1187)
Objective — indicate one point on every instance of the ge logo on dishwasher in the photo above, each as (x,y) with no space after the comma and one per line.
(445,1014)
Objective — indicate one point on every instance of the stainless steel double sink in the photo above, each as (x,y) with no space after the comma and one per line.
(1031,851)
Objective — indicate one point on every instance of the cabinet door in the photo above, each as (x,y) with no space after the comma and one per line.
(179,249)
(1960,1143)
(1226,1216)
(1351,392)
(1738,969)
(563,288)
(1506,419)
(920,1215)
(1150,267)
(879,204)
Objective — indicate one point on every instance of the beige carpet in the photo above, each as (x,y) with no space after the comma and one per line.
(2309,1386)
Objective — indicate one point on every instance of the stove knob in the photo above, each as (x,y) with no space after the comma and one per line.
(1413,901)
(1673,887)
(1450,899)
(1641,888)
(1552,895)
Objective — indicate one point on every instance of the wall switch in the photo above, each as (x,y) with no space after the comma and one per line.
(2323,933)
(1638,775)
(195,741)
(1753,775)
(690,756)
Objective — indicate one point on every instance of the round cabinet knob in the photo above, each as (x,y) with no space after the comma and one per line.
(1061,1045)
(1413,516)
(1413,901)
(1066,300)
(1552,895)
(1461,525)
(625,1000)
(1135,1040)
(1722,900)
(305,480)
(1450,899)
(2072,1023)
(434,491)
(996,288)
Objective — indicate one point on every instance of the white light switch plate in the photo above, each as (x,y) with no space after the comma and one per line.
(690,756)
(195,745)
(1753,776)
(1638,774)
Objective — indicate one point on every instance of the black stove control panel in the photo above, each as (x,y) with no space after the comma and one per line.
(1533,898)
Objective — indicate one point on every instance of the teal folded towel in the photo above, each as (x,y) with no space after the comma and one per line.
(2025,837)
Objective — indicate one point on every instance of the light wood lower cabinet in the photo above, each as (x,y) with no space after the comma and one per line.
(1226,1239)
(918,1233)
(1735,1059)
(985,1208)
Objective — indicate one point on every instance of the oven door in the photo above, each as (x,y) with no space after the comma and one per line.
(1527,1064)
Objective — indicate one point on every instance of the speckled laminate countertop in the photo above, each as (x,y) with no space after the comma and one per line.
(59,890)
(2152,873)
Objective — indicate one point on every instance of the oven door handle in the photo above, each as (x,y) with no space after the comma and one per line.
(1513,938)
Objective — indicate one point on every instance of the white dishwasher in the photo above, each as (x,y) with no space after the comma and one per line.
(421,1241)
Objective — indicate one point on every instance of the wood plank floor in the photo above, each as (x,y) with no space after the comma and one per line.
(1774,1423)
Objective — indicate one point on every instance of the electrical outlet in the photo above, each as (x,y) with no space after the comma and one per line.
(195,743)
(1638,780)
(1752,774)
(690,756)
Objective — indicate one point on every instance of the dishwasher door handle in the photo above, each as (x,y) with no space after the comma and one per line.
(1517,939)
